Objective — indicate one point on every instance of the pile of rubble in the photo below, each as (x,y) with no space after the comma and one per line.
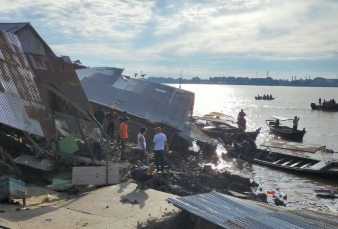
(185,176)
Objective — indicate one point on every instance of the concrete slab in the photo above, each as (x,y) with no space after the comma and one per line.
(98,209)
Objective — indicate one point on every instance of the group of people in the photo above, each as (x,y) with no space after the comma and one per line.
(160,143)
(330,102)
(294,121)
(266,96)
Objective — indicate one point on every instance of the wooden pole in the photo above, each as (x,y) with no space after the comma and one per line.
(34,144)
(82,134)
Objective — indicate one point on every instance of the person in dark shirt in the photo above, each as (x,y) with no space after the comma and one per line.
(142,175)
(111,119)
(124,115)
(99,115)
(241,115)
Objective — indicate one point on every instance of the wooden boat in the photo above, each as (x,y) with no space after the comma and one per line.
(325,106)
(283,131)
(296,163)
(217,128)
(219,132)
(262,98)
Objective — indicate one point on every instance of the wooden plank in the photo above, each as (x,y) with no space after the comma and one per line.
(280,160)
(295,164)
(285,163)
(83,135)
(305,165)
(34,144)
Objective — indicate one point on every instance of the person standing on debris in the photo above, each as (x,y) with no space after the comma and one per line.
(124,136)
(97,142)
(142,175)
(142,146)
(160,140)
(124,115)
(99,115)
(111,118)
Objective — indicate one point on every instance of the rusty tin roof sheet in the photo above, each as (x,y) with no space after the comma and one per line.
(21,104)
(61,74)
(157,103)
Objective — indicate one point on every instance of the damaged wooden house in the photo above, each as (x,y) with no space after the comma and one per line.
(148,104)
(43,107)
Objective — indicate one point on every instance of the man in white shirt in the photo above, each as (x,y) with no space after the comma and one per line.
(97,142)
(160,140)
(295,123)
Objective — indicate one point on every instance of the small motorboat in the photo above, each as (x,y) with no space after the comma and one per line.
(283,131)
(290,162)
(325,106)
(262,98)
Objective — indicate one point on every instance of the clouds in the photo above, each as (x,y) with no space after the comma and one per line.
(162,35)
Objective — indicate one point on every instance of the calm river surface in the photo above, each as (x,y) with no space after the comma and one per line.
(322,127)
(290,101)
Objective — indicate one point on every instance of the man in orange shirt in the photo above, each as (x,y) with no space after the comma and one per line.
(124,136)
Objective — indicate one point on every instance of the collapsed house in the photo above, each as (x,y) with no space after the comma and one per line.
(40,93)
(148,104)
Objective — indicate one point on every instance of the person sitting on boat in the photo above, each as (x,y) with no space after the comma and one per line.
(264,96)
(277,123)
(270,96)
(295,123)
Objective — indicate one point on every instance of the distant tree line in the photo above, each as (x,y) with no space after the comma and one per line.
(268,81)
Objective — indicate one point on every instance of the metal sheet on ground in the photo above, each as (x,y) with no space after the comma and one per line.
(44,164)
(294,146)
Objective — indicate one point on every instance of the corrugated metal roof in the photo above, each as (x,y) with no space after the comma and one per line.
(157,103)
(27,41)
(192,132)
(24,98)
(13,27)
(60,74)
(230,212)
(21,104)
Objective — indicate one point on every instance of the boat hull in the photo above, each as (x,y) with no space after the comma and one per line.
(217,133)
(285,132)
(324,108)
(288,162)
(260,98)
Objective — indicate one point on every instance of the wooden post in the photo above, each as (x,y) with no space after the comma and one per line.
(56,131)
(34,143)
(82,134)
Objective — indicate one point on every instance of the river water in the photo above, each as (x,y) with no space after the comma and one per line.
(290,101)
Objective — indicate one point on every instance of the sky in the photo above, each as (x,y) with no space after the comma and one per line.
(204,38)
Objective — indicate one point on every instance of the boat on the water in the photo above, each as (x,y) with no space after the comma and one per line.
(290,162)
(219,132)
(325,106)
(264,98)
(216,127)
(283,131)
